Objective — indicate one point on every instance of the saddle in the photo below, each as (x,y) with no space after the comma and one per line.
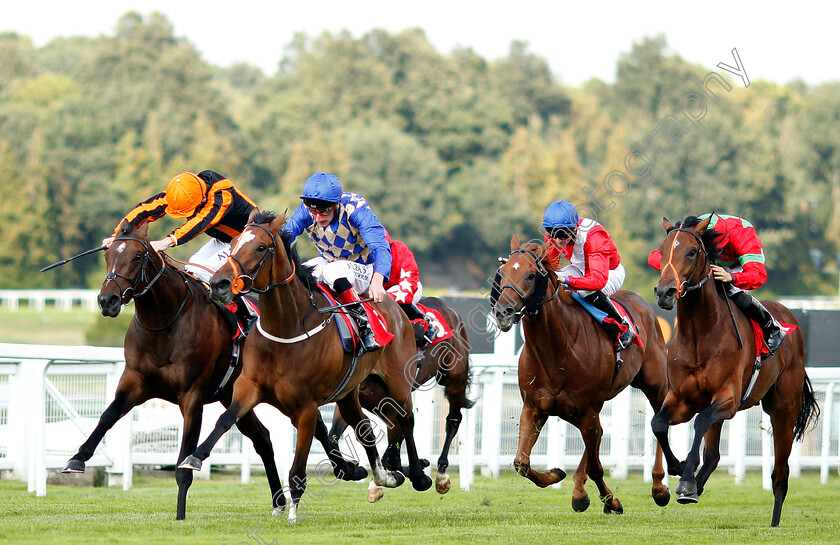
(349,331)
(421,326)
(601,316)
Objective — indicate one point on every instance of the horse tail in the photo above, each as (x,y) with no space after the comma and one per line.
(808,414)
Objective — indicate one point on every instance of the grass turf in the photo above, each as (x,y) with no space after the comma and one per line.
(505,510)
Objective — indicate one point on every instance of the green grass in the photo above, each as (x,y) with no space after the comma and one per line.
(73,327)
(506,510)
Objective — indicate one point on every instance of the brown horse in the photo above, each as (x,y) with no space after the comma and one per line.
(710,365)
(295,360)
(448,362)
(567,367)
(178,348)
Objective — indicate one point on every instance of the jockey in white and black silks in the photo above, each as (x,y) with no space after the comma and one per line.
(354,255)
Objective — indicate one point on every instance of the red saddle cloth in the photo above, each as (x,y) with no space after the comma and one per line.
(761,348)
(377,321)
(233,308)
(444,331)
(626,315)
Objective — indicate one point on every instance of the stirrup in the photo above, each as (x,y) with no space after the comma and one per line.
(774,340)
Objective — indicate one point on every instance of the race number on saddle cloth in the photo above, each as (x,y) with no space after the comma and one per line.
(347,326)
(602,317)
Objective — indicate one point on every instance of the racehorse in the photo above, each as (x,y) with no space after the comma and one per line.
(568,368)
(295,359)
(711,366)
(447,361)
(178,348)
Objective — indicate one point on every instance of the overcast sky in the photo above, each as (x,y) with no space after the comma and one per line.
(581,40)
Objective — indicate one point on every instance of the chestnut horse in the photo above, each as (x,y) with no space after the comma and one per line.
(294,359)
(567,367)
(710,365)
(178,348)
(448,362)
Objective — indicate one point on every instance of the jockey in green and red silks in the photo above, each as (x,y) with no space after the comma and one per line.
(595,270)
(739,267)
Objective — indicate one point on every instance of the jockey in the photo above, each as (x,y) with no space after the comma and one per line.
(740,267)
(595,271)
(212,205)
(354,255)
(405,287)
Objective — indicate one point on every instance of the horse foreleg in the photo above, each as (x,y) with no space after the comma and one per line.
(305,421)
(419,480)
(592,433)
(659,490)
(246,395)
(711,455)
(128,396)
(531,423)
(453,422)
(351,411)
(343,468)
(191,409)
(253,429)
(687,489)
(660,424)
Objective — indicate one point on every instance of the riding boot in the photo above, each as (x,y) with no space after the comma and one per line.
(622,331)
(346,294)
(425,338)
(246,316)
(752,307)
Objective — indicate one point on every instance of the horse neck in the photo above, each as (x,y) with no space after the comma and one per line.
(555,327)
(163,299)
(700,312)
(283,307)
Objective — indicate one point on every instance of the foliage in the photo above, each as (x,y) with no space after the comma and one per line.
(454,152)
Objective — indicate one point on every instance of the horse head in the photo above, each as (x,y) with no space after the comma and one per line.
(126,261)
(686,261)
(520,284)
(257,255)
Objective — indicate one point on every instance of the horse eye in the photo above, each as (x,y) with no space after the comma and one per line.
(138,256)
(531,276)
(261,248)
(692,252)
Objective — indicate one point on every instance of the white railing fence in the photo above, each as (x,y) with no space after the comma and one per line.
(64,299)
(51,398)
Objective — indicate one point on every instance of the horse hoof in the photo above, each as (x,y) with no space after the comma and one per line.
(581,504)
(663,499)
(559,473)
(442,483)
(190,462)
(358,474)
(293,519)
(375,494)
(422,484)
(74,466)
(609,509)
(687,488)
(688,498)
(279,510)
(424,463)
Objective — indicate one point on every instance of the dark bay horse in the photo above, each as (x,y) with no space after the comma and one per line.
(709,369)
(448,362)
(295,361)
(177,348)
(567,367)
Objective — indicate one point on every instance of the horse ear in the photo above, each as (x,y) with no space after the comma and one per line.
(666,224)
(143,230)
(702,226)
(277,223)
(514,243)
(253,214)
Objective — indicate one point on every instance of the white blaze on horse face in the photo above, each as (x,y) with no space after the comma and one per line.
(121,248)
(515,266)
(246,236)
(676,243)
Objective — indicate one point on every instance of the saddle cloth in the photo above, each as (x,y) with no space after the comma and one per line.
(761,351)
(444,331)
(601,316)
(348,329)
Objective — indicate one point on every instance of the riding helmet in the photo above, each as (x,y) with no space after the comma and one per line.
(560,214)
(183,194)
(322,186)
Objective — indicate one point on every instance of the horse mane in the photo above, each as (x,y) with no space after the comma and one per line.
(304,274)
(711,238)
(541,250)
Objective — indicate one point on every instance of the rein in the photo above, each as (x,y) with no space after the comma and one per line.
(247,278)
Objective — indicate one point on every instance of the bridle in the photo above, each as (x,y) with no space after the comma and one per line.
(244,283)
(130,293)
(685,287)
(533,302)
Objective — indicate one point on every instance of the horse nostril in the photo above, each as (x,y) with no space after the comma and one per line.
(671,292)
(655,291)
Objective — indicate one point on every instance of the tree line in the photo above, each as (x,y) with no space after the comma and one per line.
(455,152)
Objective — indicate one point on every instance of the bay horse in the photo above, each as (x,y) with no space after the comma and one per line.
(177,348)
(710,365)
(567,367)
(448,363)
(294,360)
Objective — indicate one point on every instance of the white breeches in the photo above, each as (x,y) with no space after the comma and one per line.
(328,272)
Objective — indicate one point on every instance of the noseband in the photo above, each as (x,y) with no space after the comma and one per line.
(531,304)
(244,283)
(684,287)
(130,292)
